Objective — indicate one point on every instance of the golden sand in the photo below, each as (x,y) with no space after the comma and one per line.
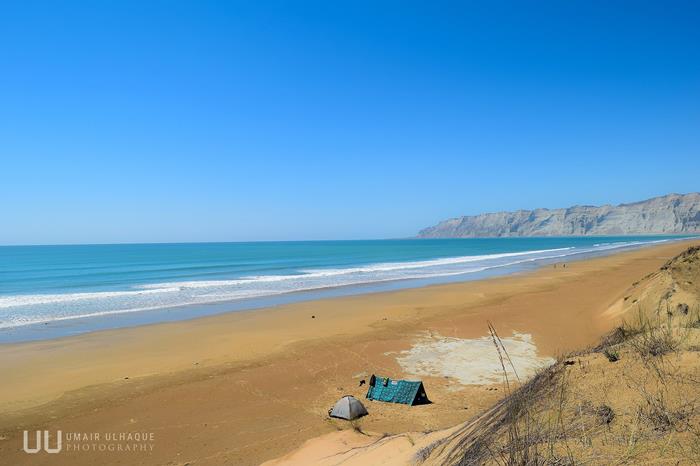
(244,387)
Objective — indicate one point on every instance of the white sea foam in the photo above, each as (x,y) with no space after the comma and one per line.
(19,310)
(32,300)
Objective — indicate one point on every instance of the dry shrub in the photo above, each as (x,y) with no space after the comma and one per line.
(655,343)
(617,336)
(605,413)
(612,354)
(664,418)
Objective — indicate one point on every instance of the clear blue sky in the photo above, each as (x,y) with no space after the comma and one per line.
(225,121)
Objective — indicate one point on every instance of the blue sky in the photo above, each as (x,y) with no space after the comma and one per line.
(226,121)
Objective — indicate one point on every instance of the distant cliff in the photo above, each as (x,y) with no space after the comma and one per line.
(673,213)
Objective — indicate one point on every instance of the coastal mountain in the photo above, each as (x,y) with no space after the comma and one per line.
(673,213)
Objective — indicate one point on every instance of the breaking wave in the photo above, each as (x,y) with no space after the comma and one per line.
(25,309)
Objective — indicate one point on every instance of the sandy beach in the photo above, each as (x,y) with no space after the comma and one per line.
(246,387)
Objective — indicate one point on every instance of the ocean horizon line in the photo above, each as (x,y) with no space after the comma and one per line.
(398,238)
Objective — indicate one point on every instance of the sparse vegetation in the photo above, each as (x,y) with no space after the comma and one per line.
(612,354)
(605,414)
(655,342)
(641,410)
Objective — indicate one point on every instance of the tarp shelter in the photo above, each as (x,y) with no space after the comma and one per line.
(348,407)
(407,392)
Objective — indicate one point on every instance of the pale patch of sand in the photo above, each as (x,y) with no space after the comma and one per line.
(473,361)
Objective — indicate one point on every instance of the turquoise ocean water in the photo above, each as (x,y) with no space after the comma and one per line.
(48,291)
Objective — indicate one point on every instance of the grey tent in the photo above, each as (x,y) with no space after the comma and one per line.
(348,407)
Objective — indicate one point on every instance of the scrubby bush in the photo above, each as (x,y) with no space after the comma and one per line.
(612,354)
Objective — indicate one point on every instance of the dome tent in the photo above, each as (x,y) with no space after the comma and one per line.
(348,407)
